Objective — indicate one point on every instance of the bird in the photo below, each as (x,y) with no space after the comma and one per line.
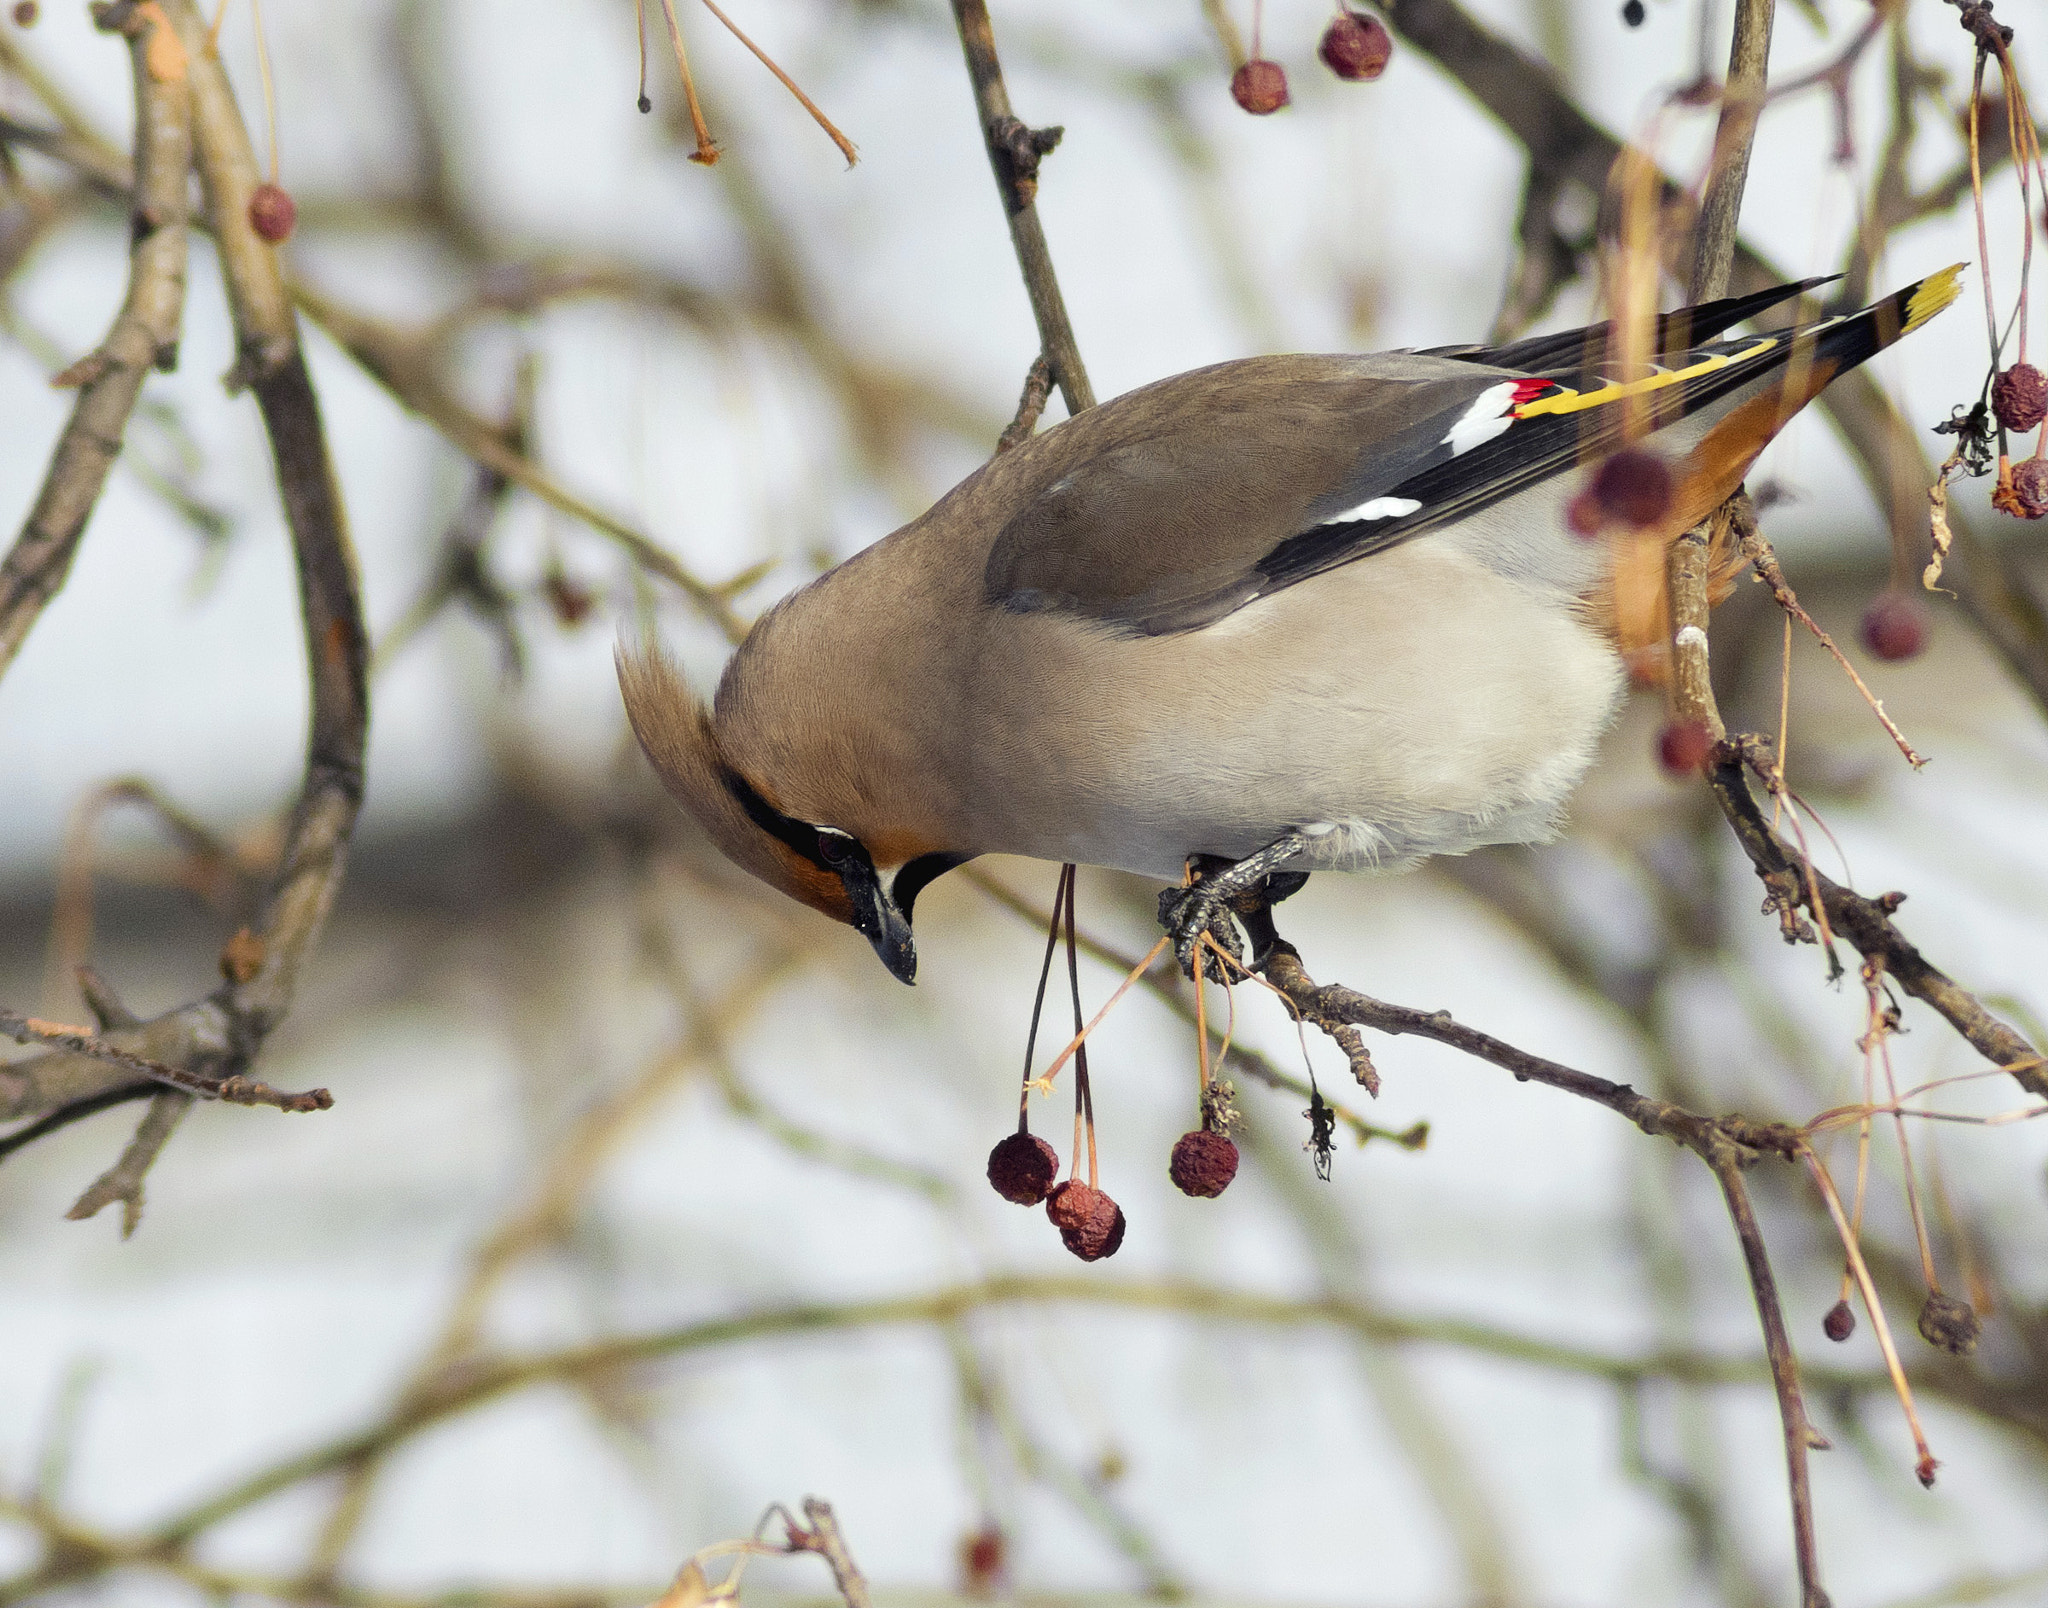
(1278,615)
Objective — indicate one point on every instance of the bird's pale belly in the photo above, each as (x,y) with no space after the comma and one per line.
(1412,705)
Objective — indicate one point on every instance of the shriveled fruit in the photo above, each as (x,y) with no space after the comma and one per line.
(1260,87)
(1356,47)
(1022,1168)
(1099,1233)
(1203,1164)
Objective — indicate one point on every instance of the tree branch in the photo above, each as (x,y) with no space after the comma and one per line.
(144,335)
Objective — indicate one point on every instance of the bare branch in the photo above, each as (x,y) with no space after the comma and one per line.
(144,335)
(1013,153)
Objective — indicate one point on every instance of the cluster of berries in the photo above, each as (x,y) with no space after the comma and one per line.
(1023,1168)
(2019,399)
(1356,47)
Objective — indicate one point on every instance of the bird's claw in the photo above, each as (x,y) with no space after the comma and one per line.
(1188,914)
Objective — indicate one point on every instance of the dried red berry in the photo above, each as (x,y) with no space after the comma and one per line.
(1100,1233)
(1683,746)
(1894,626)
(1840,1322)
(1950,1324)
(1203,1164)
(1583,515)
(1022,1167)
(272,213)
(1069,1205)
(1634,486)
(2030,487)
(2019,397)
(25,13)
(570,599)
(1260,87)
(1356,46)
(983,1553)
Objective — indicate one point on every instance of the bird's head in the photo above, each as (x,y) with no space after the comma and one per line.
(820,863)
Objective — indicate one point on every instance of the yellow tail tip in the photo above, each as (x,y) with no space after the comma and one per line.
(1932,294)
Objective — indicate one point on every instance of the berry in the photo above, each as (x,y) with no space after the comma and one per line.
(1100,1234)
(1840,1322)
(1683,746)
(1022,1168)
(1203,1164)
(1583,516)
(1950,1324)
(1356,47)
(1632,13)
(25,13)
(272,213)
(982,1556)
(1895,626)
(1069,1205)
(2019,397)
(1634,487)
(1259,86)
(2030,487)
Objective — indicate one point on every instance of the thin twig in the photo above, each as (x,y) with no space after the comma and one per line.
(1034,259)
(144,335)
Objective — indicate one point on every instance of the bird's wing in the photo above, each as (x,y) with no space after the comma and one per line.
(1176,505)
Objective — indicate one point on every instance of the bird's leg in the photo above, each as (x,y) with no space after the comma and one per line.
(1221,889)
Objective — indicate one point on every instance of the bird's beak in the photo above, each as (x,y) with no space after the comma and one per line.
(877,919)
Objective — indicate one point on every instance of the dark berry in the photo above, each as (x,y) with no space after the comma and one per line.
(1895,626)
(2019,397)
(1632,13)
(2030,487)
(25,13)
(982,1555)
(272,213)
(1203,1164)
(1683,746)
(1356,46)
(1022,1168)
(1069,1205)
(1259,87)
(645,105)
(1100,1233)
(1634,487)
(1950,1324)
(1583,515)
(1840,1322)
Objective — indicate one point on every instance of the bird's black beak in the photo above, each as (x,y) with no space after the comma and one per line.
(876,918)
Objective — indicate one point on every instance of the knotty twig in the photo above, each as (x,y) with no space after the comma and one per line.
(1765,562)
(206,1047)
(1013,152)
(825,1538)
(144,335)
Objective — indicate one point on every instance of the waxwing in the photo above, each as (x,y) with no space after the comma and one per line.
(1292,613)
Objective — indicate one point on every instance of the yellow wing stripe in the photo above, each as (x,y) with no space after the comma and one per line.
(1570,401)
(1932,294)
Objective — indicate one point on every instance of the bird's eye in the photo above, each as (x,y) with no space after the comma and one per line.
(836,848)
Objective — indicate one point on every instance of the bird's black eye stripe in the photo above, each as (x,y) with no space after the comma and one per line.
(828,848)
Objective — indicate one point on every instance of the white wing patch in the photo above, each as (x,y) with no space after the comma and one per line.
(1377,508)
(1486,418)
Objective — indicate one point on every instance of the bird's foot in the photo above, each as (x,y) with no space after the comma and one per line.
(1223,895)
(1192,914)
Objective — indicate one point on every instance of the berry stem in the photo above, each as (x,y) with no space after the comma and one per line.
(1084,1096)
(1052,938)
(707,148)
(845,145)
(269,88)
(640,36)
